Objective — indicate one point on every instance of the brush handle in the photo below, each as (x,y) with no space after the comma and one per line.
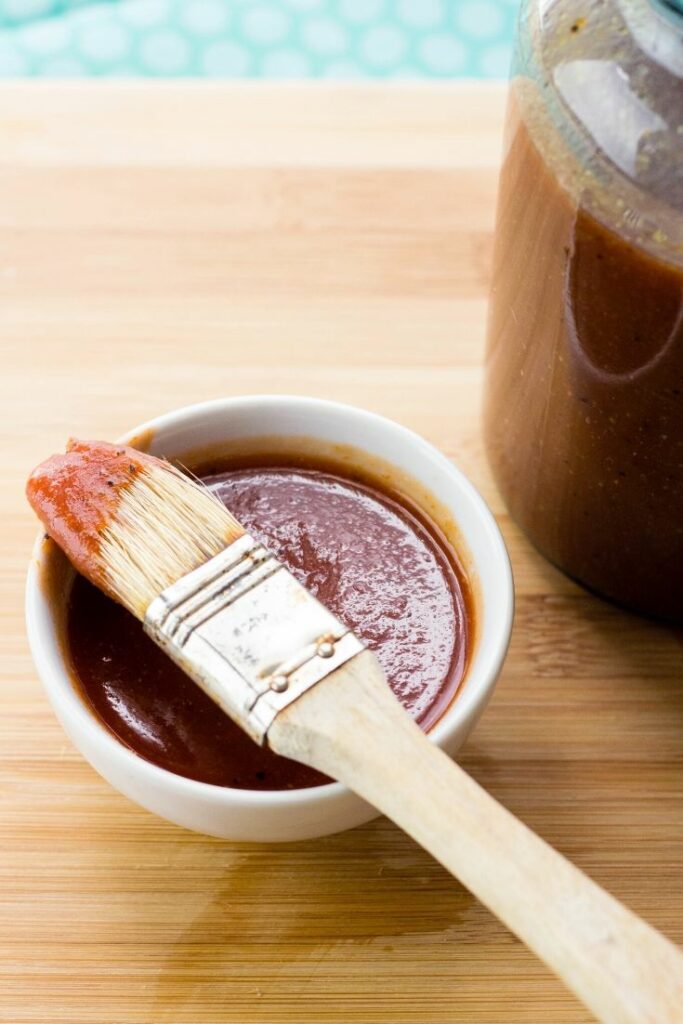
(351,727)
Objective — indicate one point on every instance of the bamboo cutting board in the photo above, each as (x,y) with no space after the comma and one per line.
(163,244)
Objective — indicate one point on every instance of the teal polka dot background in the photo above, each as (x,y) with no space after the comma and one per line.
(256,38)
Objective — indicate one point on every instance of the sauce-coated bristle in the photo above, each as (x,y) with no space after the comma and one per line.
(164,527)
(129,522)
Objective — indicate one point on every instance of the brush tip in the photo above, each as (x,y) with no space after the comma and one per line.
(75,494)
(129,522)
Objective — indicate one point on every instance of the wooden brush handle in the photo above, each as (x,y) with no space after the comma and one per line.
(351,727)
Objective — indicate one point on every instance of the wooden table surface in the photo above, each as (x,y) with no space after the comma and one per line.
(164,244)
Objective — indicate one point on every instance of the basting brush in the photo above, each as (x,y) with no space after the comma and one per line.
(295,678)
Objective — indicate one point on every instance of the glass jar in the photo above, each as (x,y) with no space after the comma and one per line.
(584,384)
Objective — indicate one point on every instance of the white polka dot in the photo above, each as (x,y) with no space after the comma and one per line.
(324,36)
(46,36)
(421,13)
(12,63)
(360,12)
(105,42)
(87,15)
(404,71)
(121,71)
(479,19)
(63,67)
(443,54)
(205,16)
(343,69)
(285,64)
(305,5)
(143,13)
(25,10)
(265,25)
(383,46)
(495,61)
(165,52)
(226,60)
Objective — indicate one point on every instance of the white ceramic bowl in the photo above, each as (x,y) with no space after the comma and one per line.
(297,814)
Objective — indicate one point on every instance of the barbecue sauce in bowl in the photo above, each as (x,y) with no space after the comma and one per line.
(369,554)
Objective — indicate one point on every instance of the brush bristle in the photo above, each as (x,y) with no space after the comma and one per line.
(165,525)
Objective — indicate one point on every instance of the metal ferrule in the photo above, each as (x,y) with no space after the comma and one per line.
(251,636)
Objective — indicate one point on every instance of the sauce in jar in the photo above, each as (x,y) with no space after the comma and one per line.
(584,398)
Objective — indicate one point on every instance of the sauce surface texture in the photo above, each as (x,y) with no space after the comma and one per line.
(370,557)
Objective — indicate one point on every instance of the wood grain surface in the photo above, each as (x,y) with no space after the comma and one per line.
(164,244)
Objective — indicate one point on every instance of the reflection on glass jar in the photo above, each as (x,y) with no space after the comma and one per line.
(584,396)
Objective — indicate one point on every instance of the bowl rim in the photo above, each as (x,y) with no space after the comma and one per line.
(469,700)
